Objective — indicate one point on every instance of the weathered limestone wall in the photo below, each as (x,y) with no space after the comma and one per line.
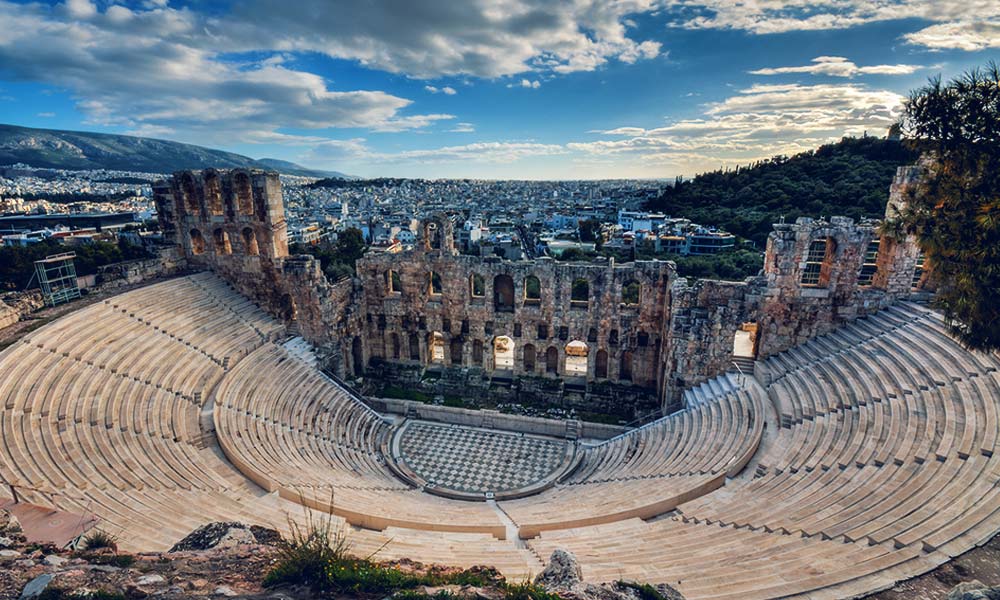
(469,326)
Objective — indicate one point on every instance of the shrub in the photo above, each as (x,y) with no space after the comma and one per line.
(99,539)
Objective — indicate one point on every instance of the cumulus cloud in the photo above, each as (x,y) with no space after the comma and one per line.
(526,83)
(959,35)
(968,25)
(838,66)
(446,90)
(356,149)
(757,122)
(431,38)
(160,73)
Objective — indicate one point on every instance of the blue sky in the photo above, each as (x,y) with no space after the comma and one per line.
(481,88)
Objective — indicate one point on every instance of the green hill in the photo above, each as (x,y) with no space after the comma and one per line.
(58,149)
(849,178)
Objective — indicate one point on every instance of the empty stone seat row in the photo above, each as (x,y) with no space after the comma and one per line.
(295,432)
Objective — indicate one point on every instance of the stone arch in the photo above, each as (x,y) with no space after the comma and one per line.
(393,283)
(576,359)
(434,285)
(190,191)
(503,352)
(250,242)
(435,347)
(477,286)
(244,193)
(477,353)
(503,293)
(287,308)
(819,261)
(532,290)
(601,364)
(197,242)
(529,358)
(394,345)
(456,349)
(357,357)
(625,366)
(433,233)
(221,239)
(213,193)
(414,347)
(631,292)
(579,293)
(552,360)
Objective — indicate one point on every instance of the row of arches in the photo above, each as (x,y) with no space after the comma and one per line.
(504,289)
(221,243)
(573,361)
(209,197)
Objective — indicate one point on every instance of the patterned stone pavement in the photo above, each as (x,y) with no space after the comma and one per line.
(476,460)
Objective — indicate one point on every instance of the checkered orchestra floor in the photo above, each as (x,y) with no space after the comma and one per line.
(475,460)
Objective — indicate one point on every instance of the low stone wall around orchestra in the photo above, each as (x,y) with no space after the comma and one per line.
(497,420)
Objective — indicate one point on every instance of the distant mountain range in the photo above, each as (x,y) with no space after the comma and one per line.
(77,150)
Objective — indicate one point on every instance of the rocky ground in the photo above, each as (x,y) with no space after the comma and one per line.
(229,560)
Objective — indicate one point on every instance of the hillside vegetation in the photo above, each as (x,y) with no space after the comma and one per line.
(849,178)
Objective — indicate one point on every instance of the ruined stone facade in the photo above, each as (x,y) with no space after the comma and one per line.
(614,338)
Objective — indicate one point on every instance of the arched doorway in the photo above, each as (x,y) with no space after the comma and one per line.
(250,242)
(435,347)
(576,359)
(745,341)
(601,364)
(457,347)
(529,358)
(394,345)
(625,368)
(414,347)
(552,360)
(503,352)
(197,242)
(503,293)
(357,357)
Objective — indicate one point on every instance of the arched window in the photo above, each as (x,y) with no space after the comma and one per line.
(503,293)
(190,191)
(477,287)
(456,351)
(625,368)
(576,359)
(244,194)
(393,285)
(213,192)
(819,259)
(197,242)
(630,293)
(601,365)
(529,358)
(434,284)
(552,360)
(394,345)
(287,308)
(357,357)
(435,347)
(250,242)
(532,290)
(414,347)
(580,293)
(222,245)
(503,352)
(477,353)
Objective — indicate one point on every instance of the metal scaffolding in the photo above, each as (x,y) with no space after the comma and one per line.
(57,278)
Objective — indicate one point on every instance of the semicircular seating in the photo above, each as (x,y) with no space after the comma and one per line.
(872,453)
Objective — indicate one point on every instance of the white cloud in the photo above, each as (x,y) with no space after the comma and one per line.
(758,122)
(446,90)
(356,150)
(161,74)
(838,66)
(432,38)
(963,25)
(462,128)
(526,83)
(46,115)
(959,35)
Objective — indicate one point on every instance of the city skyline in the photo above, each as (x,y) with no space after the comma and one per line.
(521,90)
